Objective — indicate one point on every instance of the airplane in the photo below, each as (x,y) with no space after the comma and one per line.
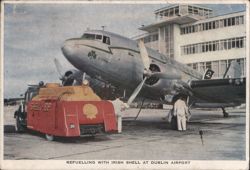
(129,65)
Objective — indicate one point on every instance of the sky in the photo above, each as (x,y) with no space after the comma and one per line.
(34,33)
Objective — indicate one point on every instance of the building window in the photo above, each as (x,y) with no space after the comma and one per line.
(210,46)
(221,23)
(202,67)
(206,26)
(215,68)
(229,21)
(217,46)
(171,12)
(217,24)
(208,65)
(195,66)
(233,43)
(176,11)
(225,22)
(227,44)
(240,43)
(146,39)
(241,21)
(213,24)
(223,67)
(233,21)
(155,37)
(210,25)
(219,67)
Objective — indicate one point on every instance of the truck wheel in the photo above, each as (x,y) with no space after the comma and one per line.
(19,128)
(49,137)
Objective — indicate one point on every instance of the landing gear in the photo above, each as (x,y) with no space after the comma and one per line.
(225,114)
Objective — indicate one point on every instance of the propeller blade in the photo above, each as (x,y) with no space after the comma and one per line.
(136,91)
(58,67)
(84,76)
(165,75)
(78,77)
(144,54)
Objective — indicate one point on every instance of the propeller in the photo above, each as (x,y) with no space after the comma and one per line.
(136,91)
(147,72)
(83,76)
(58,68)
(144,55)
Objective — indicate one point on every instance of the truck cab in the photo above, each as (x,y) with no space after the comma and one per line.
(21,113)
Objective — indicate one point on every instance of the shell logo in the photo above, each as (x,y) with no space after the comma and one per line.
(90,111)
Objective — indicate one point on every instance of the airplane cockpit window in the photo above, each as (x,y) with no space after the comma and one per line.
(98,37)
(88,36)
(106,40)
(92,37)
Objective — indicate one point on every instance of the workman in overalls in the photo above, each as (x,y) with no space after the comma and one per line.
(119,107)
(182,113)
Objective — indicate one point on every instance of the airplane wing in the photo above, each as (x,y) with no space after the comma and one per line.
(219,90)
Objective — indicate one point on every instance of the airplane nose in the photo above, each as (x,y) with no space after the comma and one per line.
(68,48)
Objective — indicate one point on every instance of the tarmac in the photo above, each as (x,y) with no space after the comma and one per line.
(147,138)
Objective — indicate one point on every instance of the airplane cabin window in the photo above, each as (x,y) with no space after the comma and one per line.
(106,40)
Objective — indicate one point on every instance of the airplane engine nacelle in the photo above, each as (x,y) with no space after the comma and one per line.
(153,80)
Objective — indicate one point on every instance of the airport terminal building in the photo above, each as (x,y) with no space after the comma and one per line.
(194,36)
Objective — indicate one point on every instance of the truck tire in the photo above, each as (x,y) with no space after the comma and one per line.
(19,127)
(49,137)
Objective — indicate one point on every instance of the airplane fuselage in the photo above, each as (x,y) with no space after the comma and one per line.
(118,61)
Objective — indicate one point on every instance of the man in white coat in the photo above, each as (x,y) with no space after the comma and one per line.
(119,107)
(182,113)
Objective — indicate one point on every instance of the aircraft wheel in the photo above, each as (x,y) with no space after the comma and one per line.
(49,137)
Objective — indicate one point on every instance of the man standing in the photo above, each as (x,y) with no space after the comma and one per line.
(182,113)
(119,107)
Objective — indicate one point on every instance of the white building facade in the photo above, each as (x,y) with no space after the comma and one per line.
(191,35)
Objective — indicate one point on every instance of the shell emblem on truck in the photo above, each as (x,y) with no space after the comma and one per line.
(90,111)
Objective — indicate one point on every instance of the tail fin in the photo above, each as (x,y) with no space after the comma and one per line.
(208,74)
(233,70)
